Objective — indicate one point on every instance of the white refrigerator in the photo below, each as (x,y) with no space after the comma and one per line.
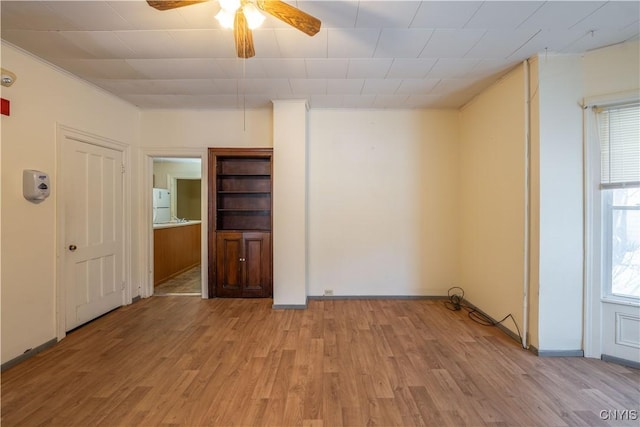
(161,206)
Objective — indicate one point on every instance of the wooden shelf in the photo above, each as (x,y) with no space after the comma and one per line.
(240,187)
(242,191)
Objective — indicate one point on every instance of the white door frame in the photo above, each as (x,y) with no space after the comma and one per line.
(64,132)
(146,225)
(592,339)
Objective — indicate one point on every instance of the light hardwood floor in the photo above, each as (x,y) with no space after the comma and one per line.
(172,361)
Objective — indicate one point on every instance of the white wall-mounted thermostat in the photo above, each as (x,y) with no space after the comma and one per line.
(35,185)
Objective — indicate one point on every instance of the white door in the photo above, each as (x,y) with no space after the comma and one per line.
(93,274)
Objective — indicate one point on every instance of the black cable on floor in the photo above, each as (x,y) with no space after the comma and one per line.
(455,299)
(456,303)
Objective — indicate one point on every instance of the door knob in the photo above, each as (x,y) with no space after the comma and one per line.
(72,248)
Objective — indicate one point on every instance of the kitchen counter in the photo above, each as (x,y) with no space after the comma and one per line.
(175,224)
(176,249)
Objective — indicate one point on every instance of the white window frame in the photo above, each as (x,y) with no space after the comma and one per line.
(610,182)
(606,203)
(594,211)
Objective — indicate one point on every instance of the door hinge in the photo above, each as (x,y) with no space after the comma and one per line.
(123,169)
(122,288)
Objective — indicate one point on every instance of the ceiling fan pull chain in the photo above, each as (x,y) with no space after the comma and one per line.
(244,97)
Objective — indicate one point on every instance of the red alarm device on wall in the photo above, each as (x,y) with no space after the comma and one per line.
(4,104)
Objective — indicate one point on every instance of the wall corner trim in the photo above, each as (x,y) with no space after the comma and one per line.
(366,297)
(556,353)
(289,306)
(28,354)
(619,361)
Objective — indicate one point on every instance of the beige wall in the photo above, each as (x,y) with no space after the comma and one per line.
(41,98)
(492,195)
(557,245)
(290,244)
(164,170)
(207,128)
(612,70)
(382,201)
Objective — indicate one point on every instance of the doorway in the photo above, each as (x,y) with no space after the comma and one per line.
(177,242)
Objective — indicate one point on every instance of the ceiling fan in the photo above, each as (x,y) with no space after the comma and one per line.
(236,14)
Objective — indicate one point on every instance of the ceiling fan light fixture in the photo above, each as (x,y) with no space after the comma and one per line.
(229,5)
(225,18)
(253,15)
(242,16)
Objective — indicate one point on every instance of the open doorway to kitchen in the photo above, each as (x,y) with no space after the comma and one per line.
(177,226)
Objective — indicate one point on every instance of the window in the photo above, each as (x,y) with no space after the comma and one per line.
(619,135)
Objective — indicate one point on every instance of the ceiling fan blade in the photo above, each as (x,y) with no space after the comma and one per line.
(243,36)
(291,15)
(171,4)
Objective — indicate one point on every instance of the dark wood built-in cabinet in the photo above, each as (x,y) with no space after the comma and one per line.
(240,185)
(243,263)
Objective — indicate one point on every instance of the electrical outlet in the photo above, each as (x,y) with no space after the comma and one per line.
(328,292)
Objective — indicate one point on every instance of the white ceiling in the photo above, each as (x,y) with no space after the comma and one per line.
(368,54)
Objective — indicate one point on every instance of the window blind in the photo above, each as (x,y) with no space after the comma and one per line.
(619,133)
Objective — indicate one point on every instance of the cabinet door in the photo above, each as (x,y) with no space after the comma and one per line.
(229,253)
(257,264)
(243,264)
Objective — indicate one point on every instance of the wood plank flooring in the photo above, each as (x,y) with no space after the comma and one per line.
(172,361)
